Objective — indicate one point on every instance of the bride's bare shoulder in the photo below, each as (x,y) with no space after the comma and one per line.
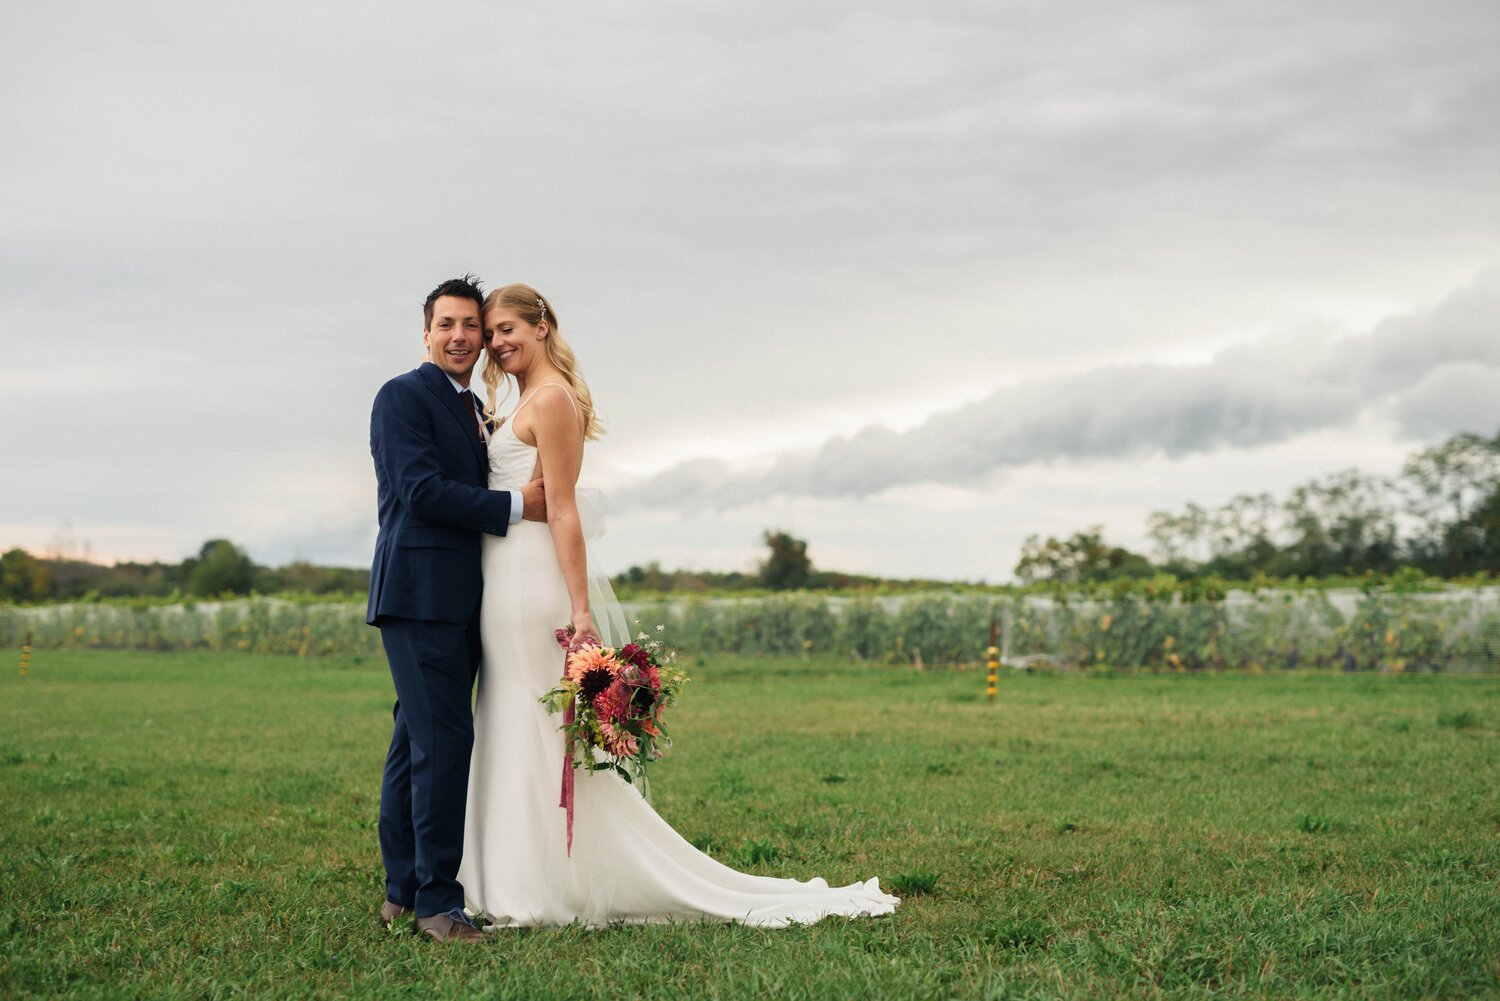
(554,405)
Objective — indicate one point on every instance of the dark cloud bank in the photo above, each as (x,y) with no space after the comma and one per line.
(1432,373)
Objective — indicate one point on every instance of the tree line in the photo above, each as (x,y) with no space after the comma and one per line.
(223,568)
(220,568)
(786,567)
(1440,515)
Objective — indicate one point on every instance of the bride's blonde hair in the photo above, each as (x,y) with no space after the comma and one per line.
(527,303)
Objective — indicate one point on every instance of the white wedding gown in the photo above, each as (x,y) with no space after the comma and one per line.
(627,864)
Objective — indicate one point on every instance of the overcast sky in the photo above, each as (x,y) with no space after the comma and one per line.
(912,281)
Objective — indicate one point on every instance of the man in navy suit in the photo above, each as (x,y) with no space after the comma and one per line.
(431,471)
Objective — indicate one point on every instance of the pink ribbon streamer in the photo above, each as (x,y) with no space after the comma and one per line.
(566,800)
(567,779)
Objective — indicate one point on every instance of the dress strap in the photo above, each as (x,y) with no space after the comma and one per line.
(532,395)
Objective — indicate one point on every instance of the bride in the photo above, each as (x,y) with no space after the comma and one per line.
(626,864)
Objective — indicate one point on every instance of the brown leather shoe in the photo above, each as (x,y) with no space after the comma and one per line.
(389,912)
(451,927)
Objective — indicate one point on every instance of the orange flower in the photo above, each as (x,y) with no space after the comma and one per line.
(592,658)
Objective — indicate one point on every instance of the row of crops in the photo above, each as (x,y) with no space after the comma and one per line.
(1447,631)
(253,625)
(1453,630)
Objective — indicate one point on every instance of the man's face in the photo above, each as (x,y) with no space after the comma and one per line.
(454,338)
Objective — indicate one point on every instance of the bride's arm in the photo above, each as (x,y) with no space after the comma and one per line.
(560,446)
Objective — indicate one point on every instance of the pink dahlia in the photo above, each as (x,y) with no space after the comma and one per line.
(613,703)
(618,741)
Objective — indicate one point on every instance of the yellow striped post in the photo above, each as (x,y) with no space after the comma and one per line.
(993,653)
(26,653)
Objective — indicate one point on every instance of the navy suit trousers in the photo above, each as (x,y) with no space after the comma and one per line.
(426,785)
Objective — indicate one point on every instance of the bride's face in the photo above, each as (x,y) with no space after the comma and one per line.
(513,343)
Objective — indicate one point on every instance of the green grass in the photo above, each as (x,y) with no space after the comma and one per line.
(196,825)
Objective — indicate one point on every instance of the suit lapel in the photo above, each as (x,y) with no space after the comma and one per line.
(438,383)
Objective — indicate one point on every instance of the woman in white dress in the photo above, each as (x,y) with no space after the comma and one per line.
(626,863)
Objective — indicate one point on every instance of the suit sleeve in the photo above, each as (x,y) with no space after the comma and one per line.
(401,440)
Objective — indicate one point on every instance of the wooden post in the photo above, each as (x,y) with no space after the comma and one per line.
(993,653)
(26,654)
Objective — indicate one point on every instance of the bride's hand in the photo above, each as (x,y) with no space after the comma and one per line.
(584,631)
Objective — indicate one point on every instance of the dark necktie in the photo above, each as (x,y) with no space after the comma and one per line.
(467,399)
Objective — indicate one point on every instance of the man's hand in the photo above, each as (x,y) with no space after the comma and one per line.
(534,501)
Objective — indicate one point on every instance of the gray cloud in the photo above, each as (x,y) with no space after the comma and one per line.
(1437,372)
(1456,396)
(1463,330)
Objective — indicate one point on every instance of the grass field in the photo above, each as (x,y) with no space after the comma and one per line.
(191,825)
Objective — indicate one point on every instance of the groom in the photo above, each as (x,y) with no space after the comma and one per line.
(431,471)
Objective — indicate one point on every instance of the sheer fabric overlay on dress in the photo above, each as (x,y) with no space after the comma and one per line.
(627,864)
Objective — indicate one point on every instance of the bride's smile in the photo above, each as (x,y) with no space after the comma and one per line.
(513,342)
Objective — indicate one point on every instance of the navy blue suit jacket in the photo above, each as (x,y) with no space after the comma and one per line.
(431,474)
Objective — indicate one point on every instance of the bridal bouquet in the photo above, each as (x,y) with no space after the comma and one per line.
(612,700)
(617,697)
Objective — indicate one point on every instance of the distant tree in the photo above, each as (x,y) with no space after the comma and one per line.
(647,578)
(1445,486)
(131,578)
(1182,541)
(788,565)
(1243,540)
(307,578)
(1343,523)
(221,568)
(1082,557)
(1487,522)
(23,577)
